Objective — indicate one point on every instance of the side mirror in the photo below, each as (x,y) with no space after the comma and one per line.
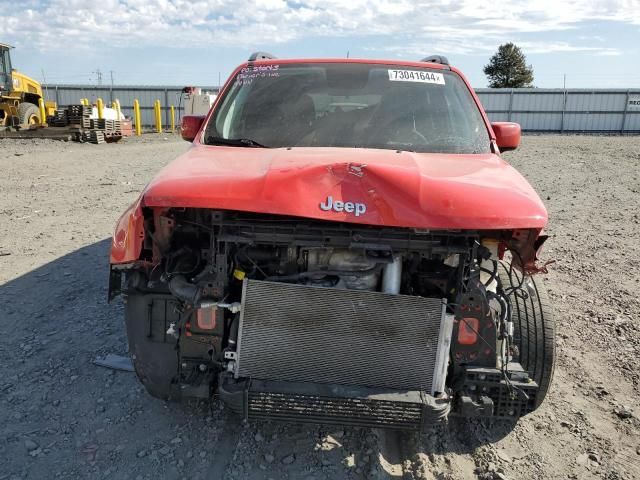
(507,135)
(190,126)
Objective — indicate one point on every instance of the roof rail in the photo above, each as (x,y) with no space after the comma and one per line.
(436,59)
(260,56)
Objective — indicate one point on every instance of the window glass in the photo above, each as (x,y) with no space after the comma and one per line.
(350,105)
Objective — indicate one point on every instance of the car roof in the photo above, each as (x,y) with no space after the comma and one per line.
(407,63)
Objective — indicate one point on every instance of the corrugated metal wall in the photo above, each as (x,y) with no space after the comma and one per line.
(535,109)
(65,95)
(559,110)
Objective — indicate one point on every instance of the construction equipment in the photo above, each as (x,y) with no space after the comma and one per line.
(78,123)
(19,95)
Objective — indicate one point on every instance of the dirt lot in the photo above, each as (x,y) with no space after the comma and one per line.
(63,417)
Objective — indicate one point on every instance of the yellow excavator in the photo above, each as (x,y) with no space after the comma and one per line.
(19,95)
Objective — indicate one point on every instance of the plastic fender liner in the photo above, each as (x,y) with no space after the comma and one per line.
(115,283)
(528,245)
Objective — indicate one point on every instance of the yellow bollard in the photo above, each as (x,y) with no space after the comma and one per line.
(116,106)
(100,105)
(136,116)
(173,119)
(159,121)
(43,113)
(158,116)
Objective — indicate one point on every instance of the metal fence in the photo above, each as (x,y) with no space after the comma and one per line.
(560,110)
(65,95)
(535,109)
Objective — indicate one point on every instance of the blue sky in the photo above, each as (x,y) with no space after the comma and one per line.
(596,44)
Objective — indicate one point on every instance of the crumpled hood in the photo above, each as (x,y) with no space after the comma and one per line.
(369,186)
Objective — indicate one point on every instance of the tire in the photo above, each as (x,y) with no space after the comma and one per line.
(28,114)
(534,327)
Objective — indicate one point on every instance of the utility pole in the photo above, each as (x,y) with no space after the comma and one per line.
(98,76)
(564,81)
(111,90)
(44,80)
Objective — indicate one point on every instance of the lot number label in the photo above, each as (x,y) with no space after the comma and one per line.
(416,76)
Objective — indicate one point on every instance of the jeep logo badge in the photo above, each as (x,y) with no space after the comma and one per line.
(338,206)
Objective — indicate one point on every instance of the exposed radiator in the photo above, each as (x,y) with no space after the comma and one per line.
(301,333)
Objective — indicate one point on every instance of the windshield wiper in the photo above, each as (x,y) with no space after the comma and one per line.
(234,142)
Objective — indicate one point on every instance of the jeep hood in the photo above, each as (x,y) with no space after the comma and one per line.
(405,189)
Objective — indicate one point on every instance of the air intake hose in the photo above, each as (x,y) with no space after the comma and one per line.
(391,276)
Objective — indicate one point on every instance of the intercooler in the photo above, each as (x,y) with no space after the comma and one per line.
(297,333)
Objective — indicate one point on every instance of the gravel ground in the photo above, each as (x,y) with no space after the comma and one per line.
(63,417)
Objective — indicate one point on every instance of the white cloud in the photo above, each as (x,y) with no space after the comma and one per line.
(451,26)
(554,47)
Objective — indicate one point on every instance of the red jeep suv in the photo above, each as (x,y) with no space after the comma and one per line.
(342,243)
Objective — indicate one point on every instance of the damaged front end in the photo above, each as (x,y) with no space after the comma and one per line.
(306,320)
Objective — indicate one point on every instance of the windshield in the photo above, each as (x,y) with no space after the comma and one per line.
(349,105)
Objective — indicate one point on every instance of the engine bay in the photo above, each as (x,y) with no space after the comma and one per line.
(197,266)
(210,248)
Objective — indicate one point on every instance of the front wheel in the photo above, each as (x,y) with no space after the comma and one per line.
(534,327)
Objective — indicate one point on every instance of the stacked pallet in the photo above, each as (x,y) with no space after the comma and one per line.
(93,136)
(111,128)
(83,128)
(79,116)
(59,119)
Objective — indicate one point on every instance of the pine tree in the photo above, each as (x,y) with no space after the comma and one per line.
(508,68)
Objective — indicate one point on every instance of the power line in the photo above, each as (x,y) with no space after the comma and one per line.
(98,76)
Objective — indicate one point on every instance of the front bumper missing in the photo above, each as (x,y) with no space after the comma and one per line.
(331,404)
(482,392)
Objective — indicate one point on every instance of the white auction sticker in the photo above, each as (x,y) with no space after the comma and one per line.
(416,76)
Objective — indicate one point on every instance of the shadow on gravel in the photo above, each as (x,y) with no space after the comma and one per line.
(64,416)
(458,437)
